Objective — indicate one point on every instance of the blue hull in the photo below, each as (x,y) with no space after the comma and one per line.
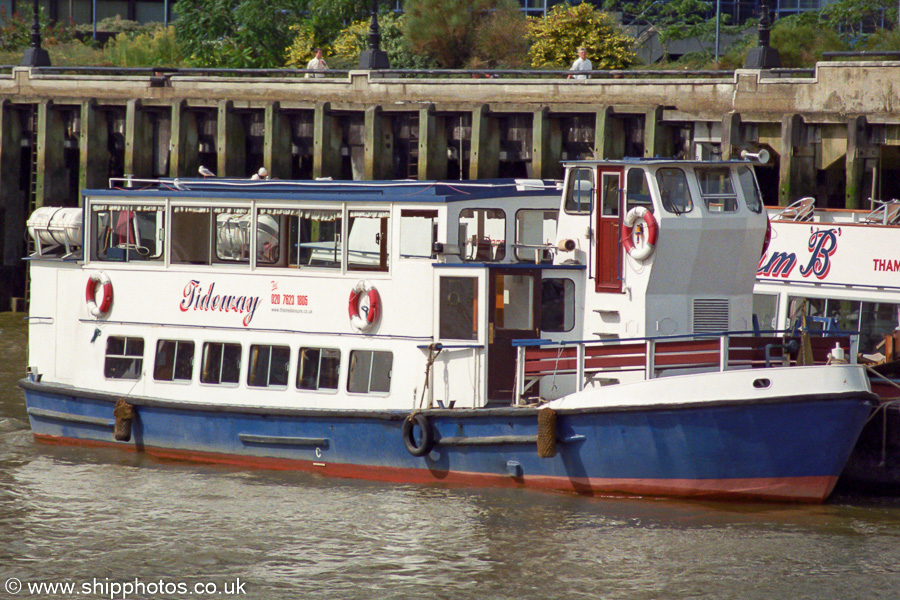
(790,450)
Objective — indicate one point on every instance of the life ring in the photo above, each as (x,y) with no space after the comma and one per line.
(90,293)
(643,250)
(423,445)
(363,322)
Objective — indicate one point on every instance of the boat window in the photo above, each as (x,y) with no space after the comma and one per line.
(369,372)
(128,233)
(310,238)
(221,363)
(191,227)
(319,369)
(637,190)
(482,234)
(232,234)
(717,190)
(124,357)
(750,189)
(873,320)
(610,185)
(418,233)
(269,366)
(535,228)
(557,304)
(368,245)
(764,308)
(174,360)
(580,190)
(673,190)
(514,302)
(458,308)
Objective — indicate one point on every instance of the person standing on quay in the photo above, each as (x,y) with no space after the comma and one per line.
(581,64)
(316,63)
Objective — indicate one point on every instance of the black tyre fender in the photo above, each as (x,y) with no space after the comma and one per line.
(417,447)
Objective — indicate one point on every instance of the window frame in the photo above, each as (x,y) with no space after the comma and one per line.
(134,360)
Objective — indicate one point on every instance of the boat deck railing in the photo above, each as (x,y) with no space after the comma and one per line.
(654,356)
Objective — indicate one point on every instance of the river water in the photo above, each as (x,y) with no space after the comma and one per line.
(121,525)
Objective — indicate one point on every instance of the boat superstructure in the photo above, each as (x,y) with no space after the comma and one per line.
(406,330)
(836,270)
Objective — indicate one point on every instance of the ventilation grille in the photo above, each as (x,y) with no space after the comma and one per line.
(710,315)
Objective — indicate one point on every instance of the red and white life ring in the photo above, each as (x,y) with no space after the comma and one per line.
(768,238)
(90,293)
(640,238)
(370,308)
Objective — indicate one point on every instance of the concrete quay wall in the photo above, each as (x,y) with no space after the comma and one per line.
(833,133)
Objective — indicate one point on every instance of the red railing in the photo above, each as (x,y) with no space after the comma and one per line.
(654,356)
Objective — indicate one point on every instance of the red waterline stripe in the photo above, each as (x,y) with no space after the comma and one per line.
(811,489)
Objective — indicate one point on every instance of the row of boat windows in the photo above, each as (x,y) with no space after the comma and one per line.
(269,366)
(873,320)
(716,187)
(203,235)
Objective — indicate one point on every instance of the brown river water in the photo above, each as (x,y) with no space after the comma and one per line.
(111,524)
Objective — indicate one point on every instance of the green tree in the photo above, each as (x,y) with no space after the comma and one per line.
(449,31)
(852,19)
(555,38)
(237,33)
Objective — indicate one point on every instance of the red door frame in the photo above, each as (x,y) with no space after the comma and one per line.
(608,230)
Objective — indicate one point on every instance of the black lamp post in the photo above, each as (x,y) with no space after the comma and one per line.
(35,56)
(374,57)
(763,56)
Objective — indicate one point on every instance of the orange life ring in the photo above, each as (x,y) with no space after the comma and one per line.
(633,233)
(90,293)
(363,322)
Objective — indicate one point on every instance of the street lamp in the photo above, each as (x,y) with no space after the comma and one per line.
(374,57)
(35,56)
(763,56)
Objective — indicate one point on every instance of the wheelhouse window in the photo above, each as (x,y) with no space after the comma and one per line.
(557,304)
(458,308)
(637,190)
(514,302)
(125,233)
(674,191)
(368,245)
(482,234)
(269,366)
(369,372)
(174,360)
(318,369)
(221,363)
(124,357)
(418,233)
(535,228)
(191,227)
(579,191)
(751,191)
(717,190)
(232,234)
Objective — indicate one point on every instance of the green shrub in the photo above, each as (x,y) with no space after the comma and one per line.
(450,31)
(156,47)
(555,39)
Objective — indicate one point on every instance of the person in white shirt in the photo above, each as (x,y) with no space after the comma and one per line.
(317,63)
(581,64)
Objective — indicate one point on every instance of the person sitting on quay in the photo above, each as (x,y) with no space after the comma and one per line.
(581,64)
(316,63)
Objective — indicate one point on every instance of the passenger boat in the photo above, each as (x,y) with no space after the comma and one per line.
(528,333)
(837,270)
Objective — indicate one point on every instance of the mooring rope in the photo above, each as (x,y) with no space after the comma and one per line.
(433,350)
(883,407)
